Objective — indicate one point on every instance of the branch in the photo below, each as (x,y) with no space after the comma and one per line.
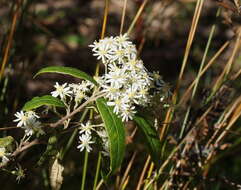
(92,98)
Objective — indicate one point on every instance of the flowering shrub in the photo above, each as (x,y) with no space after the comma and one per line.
(116,97)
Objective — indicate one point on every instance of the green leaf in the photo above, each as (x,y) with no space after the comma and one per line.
(152,138)
(116,133)
(67,71)
(43,100)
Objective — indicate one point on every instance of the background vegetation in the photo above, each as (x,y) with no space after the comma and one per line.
(180,39)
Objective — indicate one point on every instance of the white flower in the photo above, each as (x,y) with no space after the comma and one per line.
(128,113)
(79,96)
(3,155)
(87,128)
(85,141)
(118,54)
(108,41)
(95,45)
(86,86)
(102,52)
(116,79)
(134,64)
(119,104)
(122,41)
(61,90)
(131,94)
(21,118)
(112,92)
(28,121)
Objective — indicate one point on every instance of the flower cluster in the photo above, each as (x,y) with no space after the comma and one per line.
(126,81)
(77,92)
(86,136)
(29,122)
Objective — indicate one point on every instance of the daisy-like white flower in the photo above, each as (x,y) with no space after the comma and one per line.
(86,86)
(79,96)
(21,118)
(28,122)
(61,90)
(95,45)
(118,54)
(87,128)
(85,141)
(131,94)
(123,41)
(116,79)
(111,92)
(128,113)
(102,52)
(108,41)
(3,155)
(134,65)
(119,104)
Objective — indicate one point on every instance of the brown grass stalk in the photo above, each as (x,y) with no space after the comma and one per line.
(10,37)
(123,16)
(186,94)
(195,20)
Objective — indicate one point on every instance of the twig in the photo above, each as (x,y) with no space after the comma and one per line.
(21,149)
(76,110)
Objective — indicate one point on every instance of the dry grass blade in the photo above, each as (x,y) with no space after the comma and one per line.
(123,16)
(229,64)
(209,64)
(236,75)
(105,19)
(99,184)
(140,182)
(138,14)
(126,183)
(195,20)
(10,37)
(235,116)
(235,109)
(125,176)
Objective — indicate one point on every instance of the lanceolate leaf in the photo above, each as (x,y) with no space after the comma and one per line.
(41,101)
(152,138)
(116,134)
(67,71)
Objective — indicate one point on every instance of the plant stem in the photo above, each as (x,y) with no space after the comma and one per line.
(71,140)
(92,98)
(84,170)
(97,171)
